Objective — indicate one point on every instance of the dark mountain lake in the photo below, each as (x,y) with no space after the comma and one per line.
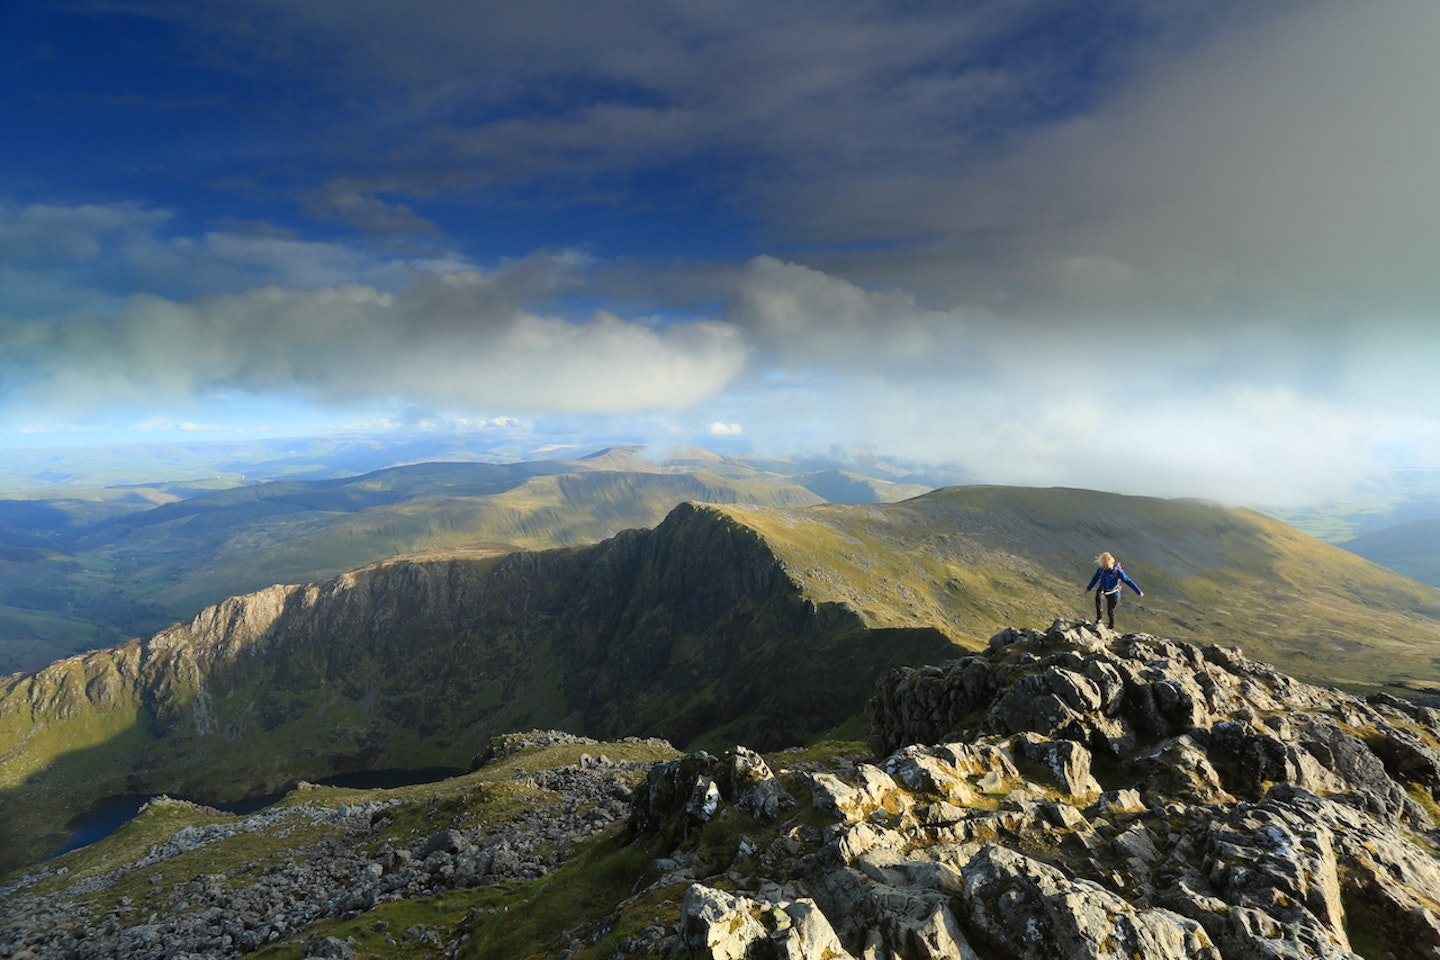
(110,815)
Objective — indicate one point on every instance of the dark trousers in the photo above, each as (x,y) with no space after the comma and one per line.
(1109,599)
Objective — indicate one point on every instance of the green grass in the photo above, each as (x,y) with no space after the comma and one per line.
(580,894)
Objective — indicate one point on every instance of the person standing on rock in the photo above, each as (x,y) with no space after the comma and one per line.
(1109,579)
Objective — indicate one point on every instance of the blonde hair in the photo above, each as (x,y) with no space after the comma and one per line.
(1105,560)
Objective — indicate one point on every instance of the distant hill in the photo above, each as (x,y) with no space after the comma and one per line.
(724,624)
(85,571)
(841,486)
(185,555)
(1410,548)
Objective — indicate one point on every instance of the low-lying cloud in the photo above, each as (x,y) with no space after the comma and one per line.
(457,340)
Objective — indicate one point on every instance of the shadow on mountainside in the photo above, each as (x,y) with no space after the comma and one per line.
(690,632)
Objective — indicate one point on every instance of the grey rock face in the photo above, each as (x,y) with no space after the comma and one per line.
(1247,816)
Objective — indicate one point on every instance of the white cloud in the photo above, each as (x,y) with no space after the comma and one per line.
(1237,446)
(804,318)
(1277,413)
(459,340)
(721,429)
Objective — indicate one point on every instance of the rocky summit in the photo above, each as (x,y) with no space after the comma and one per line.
(1066,793)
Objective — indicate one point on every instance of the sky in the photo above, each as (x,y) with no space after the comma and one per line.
(1168,247)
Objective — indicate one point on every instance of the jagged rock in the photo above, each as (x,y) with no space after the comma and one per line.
(1067,762)
(1119,801)
(939,937)
(1260,817)
(876,792)
(753,786)
(1243,816)
(729,927)
(679,796)
(332,948)
(1028,910)
(927,771)
(678,786)
(1181,768)
(447,841)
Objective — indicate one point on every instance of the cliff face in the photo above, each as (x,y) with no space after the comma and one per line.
(673,632)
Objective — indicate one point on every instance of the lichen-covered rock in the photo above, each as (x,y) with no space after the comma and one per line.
(726,926)
(753,786)
(1067,762)
(1028,910)
(874,791)
(1243,815)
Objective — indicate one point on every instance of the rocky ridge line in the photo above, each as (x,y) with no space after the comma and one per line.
(1245,816)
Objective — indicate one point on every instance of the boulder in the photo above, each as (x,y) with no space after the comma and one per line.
(724,926)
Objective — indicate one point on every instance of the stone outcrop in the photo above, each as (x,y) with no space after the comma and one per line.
(1236,814)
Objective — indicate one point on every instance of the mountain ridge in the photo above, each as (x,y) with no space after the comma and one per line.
(1408,548)
(416,664)
(119,564)
(723,623)
(963,558)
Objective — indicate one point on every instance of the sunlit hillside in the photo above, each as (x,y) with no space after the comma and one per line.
(966,558)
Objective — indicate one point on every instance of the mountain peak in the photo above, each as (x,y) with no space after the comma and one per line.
(626,457)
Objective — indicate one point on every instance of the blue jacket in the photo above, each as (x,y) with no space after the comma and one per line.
(1110,580)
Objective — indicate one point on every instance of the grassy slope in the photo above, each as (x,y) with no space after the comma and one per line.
(975,558)
(284,698)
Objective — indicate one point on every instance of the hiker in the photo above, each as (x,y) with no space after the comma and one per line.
(1110,579)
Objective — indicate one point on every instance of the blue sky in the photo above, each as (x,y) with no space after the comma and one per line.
(1181,248)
